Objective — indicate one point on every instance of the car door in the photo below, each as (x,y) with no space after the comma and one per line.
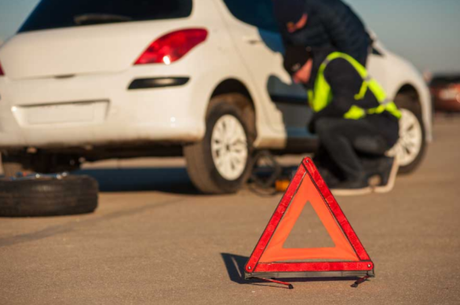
(256,37)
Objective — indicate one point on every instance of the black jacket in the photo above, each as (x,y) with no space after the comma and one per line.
(331,23)
(345,83)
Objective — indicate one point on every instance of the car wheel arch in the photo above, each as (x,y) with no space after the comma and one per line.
(409,99)
(410,91)
(246,104)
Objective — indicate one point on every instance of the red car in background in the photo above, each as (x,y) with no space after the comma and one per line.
(445,90)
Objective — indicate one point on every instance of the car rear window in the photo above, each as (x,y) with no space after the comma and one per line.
(52,14)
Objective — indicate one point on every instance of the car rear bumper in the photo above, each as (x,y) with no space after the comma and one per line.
(96,110)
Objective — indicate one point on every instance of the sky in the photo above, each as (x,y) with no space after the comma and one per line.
(426,32)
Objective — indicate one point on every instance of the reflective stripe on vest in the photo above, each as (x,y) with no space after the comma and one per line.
(322,94)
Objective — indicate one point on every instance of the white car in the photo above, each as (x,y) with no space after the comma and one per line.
(89,80)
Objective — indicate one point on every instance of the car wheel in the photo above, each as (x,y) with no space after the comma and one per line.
(47,196)
(221,162)
(411,145)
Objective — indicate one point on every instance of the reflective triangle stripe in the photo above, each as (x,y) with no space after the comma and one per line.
(270,258)
(276,251)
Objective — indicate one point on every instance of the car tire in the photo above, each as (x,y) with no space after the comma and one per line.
(221,162)
(46,196)
(411,147)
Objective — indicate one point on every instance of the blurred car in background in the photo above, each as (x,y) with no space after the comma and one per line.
(89,80)
(445,90)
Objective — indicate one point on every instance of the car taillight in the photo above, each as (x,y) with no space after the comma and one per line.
(1,70)
(171,47)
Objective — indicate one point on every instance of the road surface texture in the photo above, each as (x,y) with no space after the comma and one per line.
(154,240)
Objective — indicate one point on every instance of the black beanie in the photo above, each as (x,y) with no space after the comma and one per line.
(287,11)
(295,58)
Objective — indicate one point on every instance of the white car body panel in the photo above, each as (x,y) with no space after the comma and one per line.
(86,71)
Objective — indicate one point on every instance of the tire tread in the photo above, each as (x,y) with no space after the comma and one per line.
(48,197)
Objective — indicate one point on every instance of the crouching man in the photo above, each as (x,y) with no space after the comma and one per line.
(355,121)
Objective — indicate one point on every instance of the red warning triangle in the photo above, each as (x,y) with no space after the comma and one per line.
(271,259)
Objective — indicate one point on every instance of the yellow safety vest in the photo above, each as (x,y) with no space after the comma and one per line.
(321,96)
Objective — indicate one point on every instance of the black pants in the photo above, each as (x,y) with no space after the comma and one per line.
(345,141)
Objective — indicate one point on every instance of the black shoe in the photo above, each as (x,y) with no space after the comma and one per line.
(387,170)
(352,187)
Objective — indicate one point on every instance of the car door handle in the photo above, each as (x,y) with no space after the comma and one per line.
(252,40)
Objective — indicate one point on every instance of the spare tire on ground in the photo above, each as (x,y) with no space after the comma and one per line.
(45,195)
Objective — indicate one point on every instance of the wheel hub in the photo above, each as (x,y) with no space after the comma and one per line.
(229,147)
(410,138)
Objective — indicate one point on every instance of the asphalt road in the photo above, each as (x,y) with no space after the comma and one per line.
(156,241)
